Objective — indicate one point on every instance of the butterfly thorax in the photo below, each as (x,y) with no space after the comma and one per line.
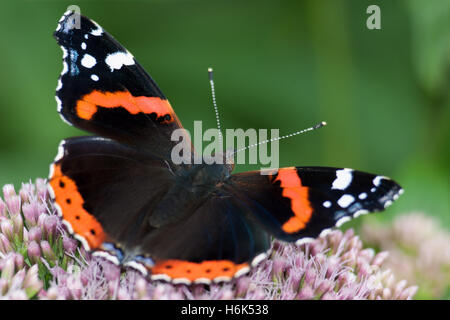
(190,190)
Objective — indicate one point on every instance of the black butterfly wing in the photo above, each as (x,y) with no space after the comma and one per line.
(217,242)
(106,193)
(229,234)
(107,190)
(104,189)
(298,203)
(104,90)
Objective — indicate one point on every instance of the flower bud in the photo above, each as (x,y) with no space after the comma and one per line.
(141,288)
(34,251)
(226,294)
(26,192)
(35,234)
(8,190)
(18,225)
(7,228)
(13,204)
(5,245)
(408,293)
(69,244)
(18,261)
(18,295)
(279,265)
(41,219)
(242,285)
(111,271)
(32,283)
(330,295)
(379,259)
(47,251)
(8,268)
(387,294)
(324,286)
(122,294)
(2,208)
(31,213)
(52,293)
(310,276)
(295,278)
(75,287)
(17,279)
(332,266)
(306,293)
(41,189)
(3,286)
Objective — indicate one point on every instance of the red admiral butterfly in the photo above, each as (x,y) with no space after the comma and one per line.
(120,194)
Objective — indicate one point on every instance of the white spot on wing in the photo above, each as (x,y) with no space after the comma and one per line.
(59,211)
(163,277)
(68,225)
(221,279)
(49,187)
(360,213)
(65,68)
(105,255)
(83,45)
(88,61)
(345,200)
(343,179)
(96,32)
(118,59)
(185,281)
(64,119)
(65,53)
(137,266)
(260,257)
(59,86)
(202,281)
(58,104)
(94,77)
(303,241)
(362,196)
(60,153)
(387,203)
(377,180)
(83,242)
(327,204)
(343,220)
(241,272)
(324,233)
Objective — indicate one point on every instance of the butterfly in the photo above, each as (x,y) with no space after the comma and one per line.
(120,194)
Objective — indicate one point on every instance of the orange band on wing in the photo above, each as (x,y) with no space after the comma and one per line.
(300,205)
(87,106)
(71,203)
(193,271)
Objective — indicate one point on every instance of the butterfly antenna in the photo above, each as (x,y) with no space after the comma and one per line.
(317,126)
(213,95)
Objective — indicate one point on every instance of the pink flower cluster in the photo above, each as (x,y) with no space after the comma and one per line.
(39,260)
(419,249)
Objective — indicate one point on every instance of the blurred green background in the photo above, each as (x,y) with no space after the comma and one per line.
(278,64)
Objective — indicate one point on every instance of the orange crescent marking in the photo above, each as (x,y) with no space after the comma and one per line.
(87,106)
(192,270)
(71,203)
(300,205)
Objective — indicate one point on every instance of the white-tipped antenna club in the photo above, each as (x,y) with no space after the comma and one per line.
(317,126)
(213,95)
